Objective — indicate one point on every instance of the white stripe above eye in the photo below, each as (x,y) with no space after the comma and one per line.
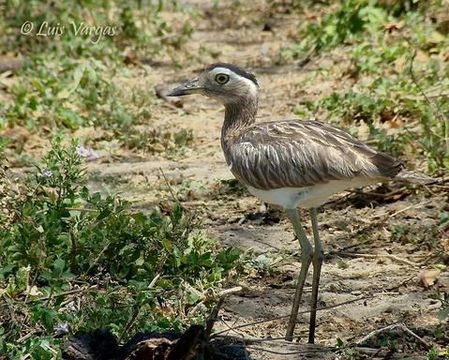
(253,89)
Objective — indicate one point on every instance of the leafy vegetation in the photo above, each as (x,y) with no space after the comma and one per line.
(157,141)
(69,256)
(75,71)
(377,40)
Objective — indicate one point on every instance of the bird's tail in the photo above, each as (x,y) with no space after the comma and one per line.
(413,177)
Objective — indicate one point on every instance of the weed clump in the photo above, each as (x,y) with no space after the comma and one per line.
(392,75)
(69,256)
(77,60)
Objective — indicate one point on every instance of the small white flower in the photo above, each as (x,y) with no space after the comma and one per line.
(86,153)
(47,173)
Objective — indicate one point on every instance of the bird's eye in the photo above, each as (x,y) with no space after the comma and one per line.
(221,78)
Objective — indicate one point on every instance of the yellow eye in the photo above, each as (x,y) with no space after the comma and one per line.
(222,78)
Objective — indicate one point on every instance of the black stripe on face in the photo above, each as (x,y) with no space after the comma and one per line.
(237,69)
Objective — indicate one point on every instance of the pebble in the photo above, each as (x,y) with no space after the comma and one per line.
(356,292)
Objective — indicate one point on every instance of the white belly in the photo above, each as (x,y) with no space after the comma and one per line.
(310,196)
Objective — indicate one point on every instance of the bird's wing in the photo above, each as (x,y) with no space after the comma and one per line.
(303,153)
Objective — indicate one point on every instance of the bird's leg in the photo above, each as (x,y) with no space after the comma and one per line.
(306,259)
(317,261)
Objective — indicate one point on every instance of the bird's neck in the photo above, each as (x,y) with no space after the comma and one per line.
(238,116)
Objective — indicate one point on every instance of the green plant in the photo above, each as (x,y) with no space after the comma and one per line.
(433,354)
(349,20)
(347,351)
(264,264)
(399,97)
(68,80)
(62,244)
(156,140)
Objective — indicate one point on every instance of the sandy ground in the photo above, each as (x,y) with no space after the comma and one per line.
(365,258)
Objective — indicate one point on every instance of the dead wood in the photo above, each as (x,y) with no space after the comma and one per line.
(192,344)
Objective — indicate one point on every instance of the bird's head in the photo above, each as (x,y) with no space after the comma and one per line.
(226,83)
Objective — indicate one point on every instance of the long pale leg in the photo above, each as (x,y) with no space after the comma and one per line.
(306,259)
(317,261)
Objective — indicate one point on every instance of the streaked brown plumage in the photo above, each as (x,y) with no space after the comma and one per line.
(290,163)
(302,153)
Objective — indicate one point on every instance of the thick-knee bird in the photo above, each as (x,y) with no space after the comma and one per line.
(290,163)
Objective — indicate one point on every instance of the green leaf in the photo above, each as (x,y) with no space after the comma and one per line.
(443,314)
(444,218)
(177,256)
(193,297)
(69,118)
(70,88)
(59,266)
(168,245)
(140,261)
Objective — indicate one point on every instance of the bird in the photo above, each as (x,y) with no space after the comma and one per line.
(291,163)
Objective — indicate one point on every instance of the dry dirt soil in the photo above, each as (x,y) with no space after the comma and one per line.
(376,245)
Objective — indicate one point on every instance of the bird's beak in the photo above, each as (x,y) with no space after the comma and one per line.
(190,87)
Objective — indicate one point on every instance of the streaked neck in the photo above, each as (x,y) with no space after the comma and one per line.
(238,116)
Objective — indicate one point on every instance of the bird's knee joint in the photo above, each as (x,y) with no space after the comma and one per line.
(318,255)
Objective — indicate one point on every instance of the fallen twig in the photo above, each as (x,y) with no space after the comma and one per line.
(376,194)
(388,256)
(154,281)
(371,352)
(307,351)
(286,316)
(410,207)
(231,328)
(212,317)
(64,293)
(394,327)
(82,209)
(402,283)
(230,291)
(28,335)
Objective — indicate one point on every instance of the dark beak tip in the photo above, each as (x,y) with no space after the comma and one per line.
(184,89)
(174,93)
